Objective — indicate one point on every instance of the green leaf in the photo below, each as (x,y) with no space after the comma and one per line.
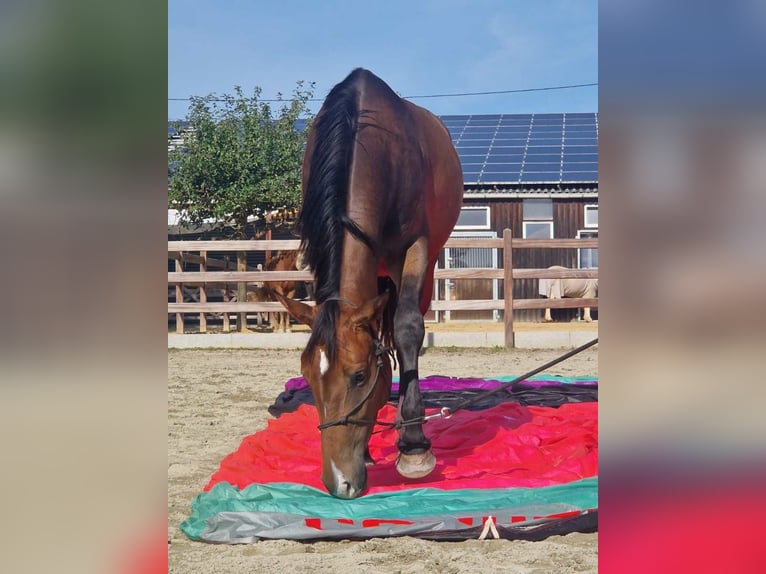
(241,157)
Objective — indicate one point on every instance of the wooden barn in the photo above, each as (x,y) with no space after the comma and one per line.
(536,174)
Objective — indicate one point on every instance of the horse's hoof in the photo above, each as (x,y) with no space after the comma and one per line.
(415,465)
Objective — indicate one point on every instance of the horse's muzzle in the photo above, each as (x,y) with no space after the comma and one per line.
(345,487)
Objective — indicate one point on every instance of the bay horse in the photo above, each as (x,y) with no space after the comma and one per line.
(382,190)
(282,261)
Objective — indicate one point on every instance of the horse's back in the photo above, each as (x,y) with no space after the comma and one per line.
(383,163)
(446,191)
(418,151)
(570,286)
(396,135)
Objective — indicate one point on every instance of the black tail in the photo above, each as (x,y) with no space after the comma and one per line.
(321,221)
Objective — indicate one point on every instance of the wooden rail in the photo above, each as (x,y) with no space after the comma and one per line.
(204,277)
(200,277)
(285,244)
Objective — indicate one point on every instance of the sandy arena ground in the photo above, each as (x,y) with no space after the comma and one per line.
(216,398)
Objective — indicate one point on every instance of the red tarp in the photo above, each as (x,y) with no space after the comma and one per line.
(506,446)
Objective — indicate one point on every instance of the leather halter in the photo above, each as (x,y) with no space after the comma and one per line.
(380,350)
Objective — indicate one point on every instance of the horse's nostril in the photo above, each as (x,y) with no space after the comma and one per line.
(347,490)
(342,485)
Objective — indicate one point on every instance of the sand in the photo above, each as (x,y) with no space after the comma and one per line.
(216,398)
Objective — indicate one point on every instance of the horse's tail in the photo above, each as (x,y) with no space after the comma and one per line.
(323,214)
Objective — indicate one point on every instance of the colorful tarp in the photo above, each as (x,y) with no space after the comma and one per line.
(226,514)
(439,391)
(533,469)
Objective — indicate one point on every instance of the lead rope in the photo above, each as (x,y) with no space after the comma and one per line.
(446,412)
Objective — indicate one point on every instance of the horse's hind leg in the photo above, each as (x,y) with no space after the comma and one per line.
(415,456)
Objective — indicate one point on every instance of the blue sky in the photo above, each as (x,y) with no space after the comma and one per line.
(416,46)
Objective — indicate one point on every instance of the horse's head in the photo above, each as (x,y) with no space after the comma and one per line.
(350,385)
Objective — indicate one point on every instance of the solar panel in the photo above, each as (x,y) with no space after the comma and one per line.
(570,156)
(533,149)
(528,148)
(545,158)
(581,167)
(580,177)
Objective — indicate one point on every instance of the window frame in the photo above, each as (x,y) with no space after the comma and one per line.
(485,226)
(590,233)
(548,222)
(547,201)
(586,208)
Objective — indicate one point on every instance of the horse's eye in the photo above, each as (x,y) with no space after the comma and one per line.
(359,378)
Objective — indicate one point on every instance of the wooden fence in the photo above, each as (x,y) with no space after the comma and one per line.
(204,279)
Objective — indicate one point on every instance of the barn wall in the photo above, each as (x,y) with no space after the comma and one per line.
(568,219)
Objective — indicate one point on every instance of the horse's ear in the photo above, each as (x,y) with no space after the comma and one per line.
(300,311)
(371,310)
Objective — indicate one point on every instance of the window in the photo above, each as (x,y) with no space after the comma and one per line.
(538,209)
(587,258)
(591,215)
(538,219)
(538,230)
(466,257)
(473,218)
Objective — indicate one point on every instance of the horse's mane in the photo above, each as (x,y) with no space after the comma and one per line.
(323,218)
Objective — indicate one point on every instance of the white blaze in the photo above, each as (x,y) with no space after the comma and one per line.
(324,364)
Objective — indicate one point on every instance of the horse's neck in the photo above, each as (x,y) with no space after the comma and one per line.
(281,262)
(359,272)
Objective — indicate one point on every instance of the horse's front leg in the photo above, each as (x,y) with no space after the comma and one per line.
(415,457)
(554,288)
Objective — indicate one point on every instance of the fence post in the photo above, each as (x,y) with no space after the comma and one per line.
(203,293)
(226,326)
(179,296)
(510,342)
(242,291)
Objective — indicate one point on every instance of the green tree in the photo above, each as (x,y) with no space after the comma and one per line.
(241,157)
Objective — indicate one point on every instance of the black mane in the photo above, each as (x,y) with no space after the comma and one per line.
(322,219)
